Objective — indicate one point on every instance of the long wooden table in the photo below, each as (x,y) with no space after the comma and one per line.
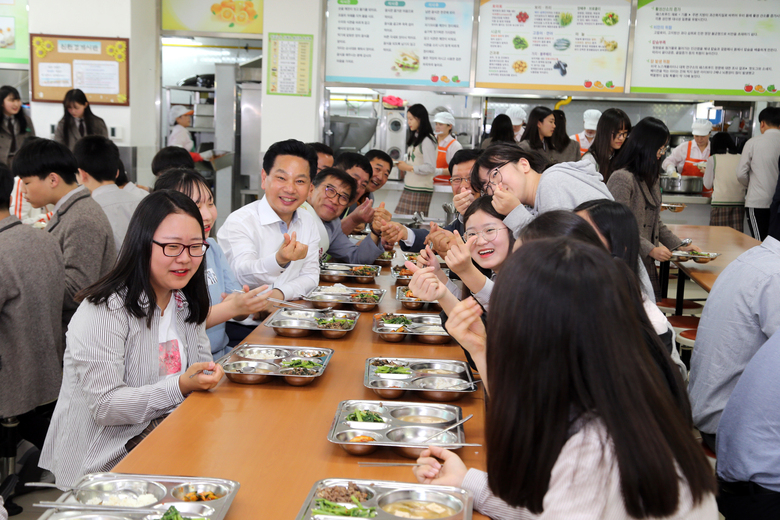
(727,241)
(272,438)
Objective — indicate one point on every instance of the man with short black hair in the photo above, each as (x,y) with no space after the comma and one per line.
(98,160)
(324,155)
(48,171)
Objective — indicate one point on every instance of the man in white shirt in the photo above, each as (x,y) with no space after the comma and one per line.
(758,170)
(98,160)
(590,121)
(271,241)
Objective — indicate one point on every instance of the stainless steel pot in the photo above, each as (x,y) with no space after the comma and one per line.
(682,184)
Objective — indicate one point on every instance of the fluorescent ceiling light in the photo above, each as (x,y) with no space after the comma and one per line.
(174,40)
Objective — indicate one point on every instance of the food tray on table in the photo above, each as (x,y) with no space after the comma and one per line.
(403,276)
(412,257)
(163,490)
(334,297)
(256,364)
(408,301)
(379,495)
(360,273)
(433,379)
(699,258)
(426,328)
(296,323)
(399,425)
(674,208)
(385,259)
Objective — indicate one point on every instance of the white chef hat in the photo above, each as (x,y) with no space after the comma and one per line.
(701,127)
(591,118)
(444,118)
(517,115)
(176,112)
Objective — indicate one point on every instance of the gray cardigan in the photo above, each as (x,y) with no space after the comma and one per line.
(645,204)
(87,243)
(6,139)
(31,293)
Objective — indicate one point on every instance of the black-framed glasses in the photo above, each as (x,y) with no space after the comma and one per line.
(621,135)
(332,193)
(494,178)
(488,234)
(458,180)
(172,249)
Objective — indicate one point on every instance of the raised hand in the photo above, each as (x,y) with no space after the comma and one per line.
(439,239)
(425,284)
(463,200)
(249,302)
(503,201)
(451,473)
(466,326)
(291,250)
(190,382)
(459,256)
(364,213)
(381,213)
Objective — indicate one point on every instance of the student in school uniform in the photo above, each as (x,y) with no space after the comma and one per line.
(78,121)
(16,125)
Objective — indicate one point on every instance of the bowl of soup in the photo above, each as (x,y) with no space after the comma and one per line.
(420,503)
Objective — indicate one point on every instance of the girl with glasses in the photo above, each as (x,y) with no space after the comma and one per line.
(137,345)
(635,182)
(611,132)
(228,299)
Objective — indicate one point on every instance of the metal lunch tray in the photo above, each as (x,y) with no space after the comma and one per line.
(400,295)
(257,364)
(392,386)
(98,484)
(319,295)
(337,269)
(394,432)
(291,320)
(383,492)
(397,268)
(683,256)
(422,325)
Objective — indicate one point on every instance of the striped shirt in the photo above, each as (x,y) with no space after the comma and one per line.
(111,386)
(584,484)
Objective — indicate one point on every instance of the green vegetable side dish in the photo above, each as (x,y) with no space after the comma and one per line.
(388,369)
(326,507)
(173,514)
(334,323)
(396,320)
(387,255)
(520,43)
(610,19)
(364,416)
(301,363)
(565,19)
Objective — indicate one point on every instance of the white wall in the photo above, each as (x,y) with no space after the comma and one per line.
(286,117)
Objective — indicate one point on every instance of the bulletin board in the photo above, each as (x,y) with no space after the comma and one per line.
(98,66)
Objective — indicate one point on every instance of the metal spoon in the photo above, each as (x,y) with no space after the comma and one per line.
(129,492)
(448,428)
(323,312)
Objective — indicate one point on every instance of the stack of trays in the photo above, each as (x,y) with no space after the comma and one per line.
(433,379)
(90,499)
(257,364)
(402,294)
(403,426)
(426,328)
(359,273)
(296,323)
(444,501)
(334,297)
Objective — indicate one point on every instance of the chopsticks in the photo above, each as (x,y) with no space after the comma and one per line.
(97,508)
(448,428)
(386,464)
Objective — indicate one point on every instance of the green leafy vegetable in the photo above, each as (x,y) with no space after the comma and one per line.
(364,416)
(520,43)
(396,320)
(388,369)
(301,363)
(610,19)
(326,507)
(173,514)
(565,19)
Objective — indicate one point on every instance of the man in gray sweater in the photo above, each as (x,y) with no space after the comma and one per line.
(48,172)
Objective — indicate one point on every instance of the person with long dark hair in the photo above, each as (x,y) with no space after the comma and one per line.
(78,121)
(611,132)
(137,345)
(16,124)
(565,149)
(576,424)
(419,167)
(501,131)
(635,182)
(538,132)
(728,195)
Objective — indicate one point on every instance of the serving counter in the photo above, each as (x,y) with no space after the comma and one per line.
(272,438)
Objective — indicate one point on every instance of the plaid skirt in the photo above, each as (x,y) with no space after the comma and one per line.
(731,216)
(412,201)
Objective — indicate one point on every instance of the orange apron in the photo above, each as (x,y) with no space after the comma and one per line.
(691,170)
(441,161)
(583,151)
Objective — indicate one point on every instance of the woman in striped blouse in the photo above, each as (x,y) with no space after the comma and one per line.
(137,344)
(577,424)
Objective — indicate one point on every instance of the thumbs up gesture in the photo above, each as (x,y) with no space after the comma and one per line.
(381,213)
(291,250)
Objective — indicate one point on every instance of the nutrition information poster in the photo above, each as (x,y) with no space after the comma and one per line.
(289,70)
(14,38)
(568,45)
(399,42)
(717,47)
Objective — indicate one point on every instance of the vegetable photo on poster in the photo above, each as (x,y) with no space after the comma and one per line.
(211,16)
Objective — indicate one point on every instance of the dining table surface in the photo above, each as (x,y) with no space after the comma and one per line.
(273,438)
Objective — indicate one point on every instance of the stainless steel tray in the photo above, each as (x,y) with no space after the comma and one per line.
(403,435)
(334,272)
(412,257)
(412,303)
(700,258)
(422,378)
(386,262)
(383,492)
(97,484)
(404,280)
(322,298)
(256,364)
(296,323)
(425,327)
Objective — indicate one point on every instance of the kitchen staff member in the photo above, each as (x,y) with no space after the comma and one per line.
(518,117)
(443,123)
(180,118)
(590,121)
(690,158)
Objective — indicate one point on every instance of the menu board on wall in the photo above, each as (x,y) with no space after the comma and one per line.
(289,71)
(210,16)
(707,47)
(14,39)
(399,42)
(571,45)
